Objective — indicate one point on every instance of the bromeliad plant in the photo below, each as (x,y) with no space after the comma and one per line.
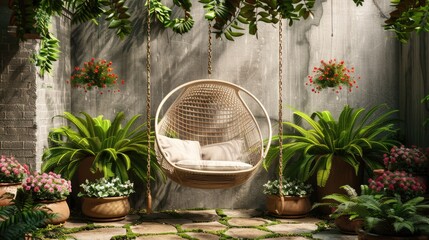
(118,151)
(358,135)
(102,187)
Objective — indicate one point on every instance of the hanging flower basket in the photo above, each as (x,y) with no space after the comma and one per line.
(332,75)
(98,75)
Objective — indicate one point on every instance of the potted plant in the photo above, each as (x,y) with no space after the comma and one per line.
(106,199)
(51,191)
(410,159)
(97,147)
(345,217)
(11,175)
(332,75)
(334,150)
(397,183)
(23,217)
(95,75)
(295,193)
(388,217)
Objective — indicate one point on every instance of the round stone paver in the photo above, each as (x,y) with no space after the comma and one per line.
(199,215)
(128,220)
(334,235)
(153,228)
(205,226)
(161,237)
(299,220)
(174,221)
(99,234)
(74,223)
(245,213)
(202,236)
(247,222)
(247,233)
(293,228)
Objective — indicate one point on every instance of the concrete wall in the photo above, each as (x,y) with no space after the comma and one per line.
(355,36)
(53,92)
(17,94)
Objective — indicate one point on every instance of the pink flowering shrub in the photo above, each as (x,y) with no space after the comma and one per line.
(47,186)
(397,182)
(11,171)
(412,159)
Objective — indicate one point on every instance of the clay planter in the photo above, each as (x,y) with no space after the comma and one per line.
(347,226)
(58,207)
(105,209)
(10,188)
(341,174)
(292,207)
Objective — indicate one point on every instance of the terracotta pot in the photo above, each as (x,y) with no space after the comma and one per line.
(58,207)
(292,207)
(82,173)
(341,174)
(347,226)
(362,235)
(11,189)
(105,209)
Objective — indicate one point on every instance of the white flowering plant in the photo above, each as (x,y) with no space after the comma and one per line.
(112,187)
(290,187)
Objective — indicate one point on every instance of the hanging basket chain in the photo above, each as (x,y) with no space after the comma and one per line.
(148,110)
(209,52)
(280,107)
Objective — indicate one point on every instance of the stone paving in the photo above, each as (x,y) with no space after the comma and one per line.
(202,224)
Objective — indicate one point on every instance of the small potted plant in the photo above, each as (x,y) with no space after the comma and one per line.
(387,217)
(295,193)
(51,191)
(397,183)
(106,199)
(333,75)
(345,217)
(96,74)
(11,175)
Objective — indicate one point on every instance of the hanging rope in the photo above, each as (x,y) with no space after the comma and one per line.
(209,52)
(148,103)
(281,112)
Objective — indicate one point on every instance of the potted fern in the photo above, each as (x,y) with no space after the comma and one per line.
(333,151)
(96,147)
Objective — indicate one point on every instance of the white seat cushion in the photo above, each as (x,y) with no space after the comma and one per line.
(228,151)
(176,150)
(214,165)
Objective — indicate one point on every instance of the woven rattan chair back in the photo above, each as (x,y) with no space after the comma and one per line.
(211,111)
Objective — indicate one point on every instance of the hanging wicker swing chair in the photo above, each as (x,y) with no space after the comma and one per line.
(210,113)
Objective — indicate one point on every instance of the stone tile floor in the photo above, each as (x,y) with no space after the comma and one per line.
(201,224)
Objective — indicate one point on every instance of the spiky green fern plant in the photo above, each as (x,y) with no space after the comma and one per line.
(358,136)
(118,151)
(21,218)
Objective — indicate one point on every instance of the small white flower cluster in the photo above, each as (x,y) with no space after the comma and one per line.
(103,187)
(289,188)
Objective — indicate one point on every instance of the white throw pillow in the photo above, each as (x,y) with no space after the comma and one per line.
(210,165)
(176,150)
(226,151)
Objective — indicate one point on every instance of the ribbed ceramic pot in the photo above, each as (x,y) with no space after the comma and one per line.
(105,209)
(292,207)
(59,207)
(11,188)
